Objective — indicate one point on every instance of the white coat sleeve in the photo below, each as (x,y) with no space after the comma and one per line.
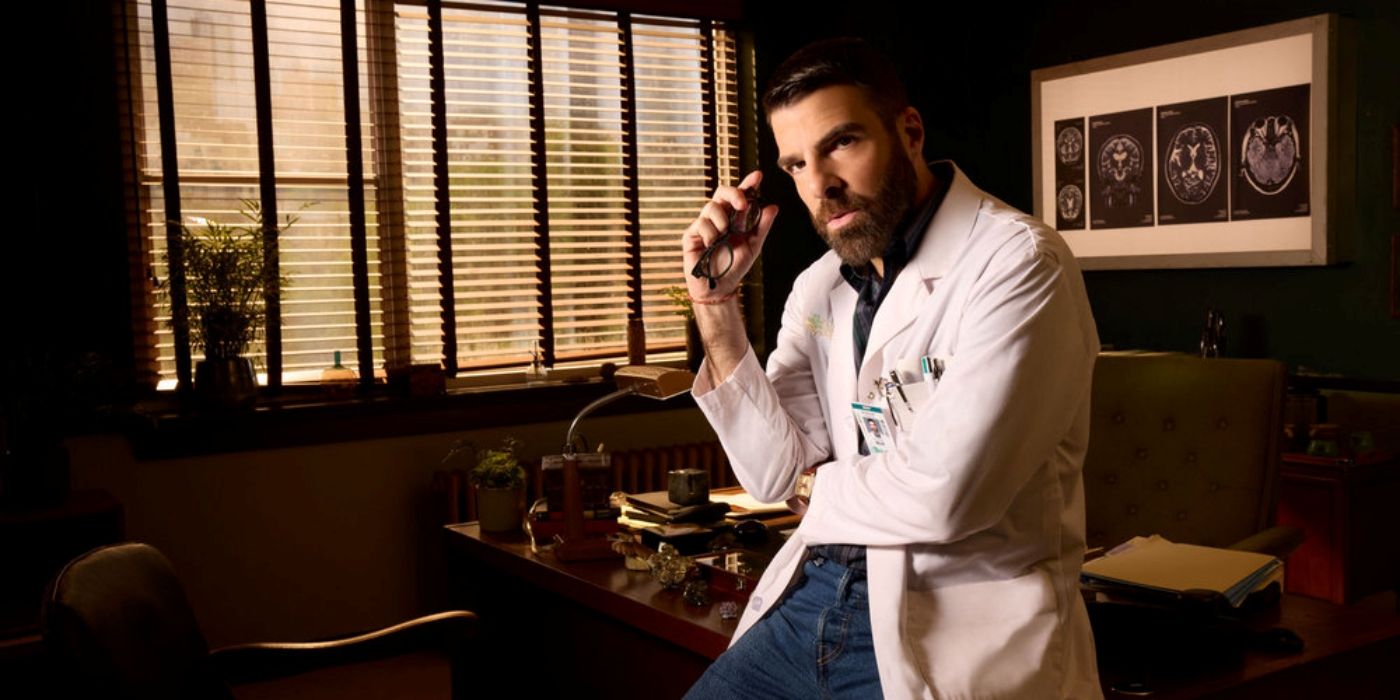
(771,426)
(1019,373)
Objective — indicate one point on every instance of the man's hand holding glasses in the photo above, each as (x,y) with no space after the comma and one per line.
(721,245)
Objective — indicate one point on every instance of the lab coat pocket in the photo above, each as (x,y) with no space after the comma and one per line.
(907,402)
(987,639)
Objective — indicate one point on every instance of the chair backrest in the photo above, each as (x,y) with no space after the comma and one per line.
(1182,447)
(118,624)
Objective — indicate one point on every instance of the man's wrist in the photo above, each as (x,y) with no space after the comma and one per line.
(719,318)
(722,332)
(714,300)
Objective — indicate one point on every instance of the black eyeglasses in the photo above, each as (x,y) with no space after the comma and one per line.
(715,262)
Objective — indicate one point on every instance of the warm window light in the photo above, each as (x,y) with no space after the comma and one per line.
(454,268)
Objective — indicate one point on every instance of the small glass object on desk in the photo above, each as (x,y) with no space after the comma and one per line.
(669,567)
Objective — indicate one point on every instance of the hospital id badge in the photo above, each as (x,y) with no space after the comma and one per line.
(873,425)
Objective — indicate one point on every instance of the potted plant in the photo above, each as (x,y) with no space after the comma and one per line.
(226,280)
(499,480)
(694,348)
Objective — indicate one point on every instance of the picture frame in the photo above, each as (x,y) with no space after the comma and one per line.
(1227,151)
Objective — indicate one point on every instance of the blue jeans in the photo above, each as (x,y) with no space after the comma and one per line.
(815,644)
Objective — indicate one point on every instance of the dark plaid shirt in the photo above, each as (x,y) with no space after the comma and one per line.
(871,290)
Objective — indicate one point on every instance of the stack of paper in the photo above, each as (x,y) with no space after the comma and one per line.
(1156,564)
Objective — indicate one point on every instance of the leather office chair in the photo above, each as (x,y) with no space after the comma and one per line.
(116,623)
(1186,448)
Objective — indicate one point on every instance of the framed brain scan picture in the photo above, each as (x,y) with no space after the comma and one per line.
(1234,150)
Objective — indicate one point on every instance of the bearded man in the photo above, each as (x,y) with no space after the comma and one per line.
(940,560)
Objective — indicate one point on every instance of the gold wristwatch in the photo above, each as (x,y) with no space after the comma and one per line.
(806,481)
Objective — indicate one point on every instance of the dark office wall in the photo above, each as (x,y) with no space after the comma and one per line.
(63,268)
(968,71)
(69,231)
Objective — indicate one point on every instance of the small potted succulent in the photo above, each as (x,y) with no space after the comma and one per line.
(500,482)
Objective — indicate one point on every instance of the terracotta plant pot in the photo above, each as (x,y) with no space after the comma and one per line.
(498,510)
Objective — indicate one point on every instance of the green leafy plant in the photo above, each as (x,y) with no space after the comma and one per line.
(680,296)
(226,278)
(499,468)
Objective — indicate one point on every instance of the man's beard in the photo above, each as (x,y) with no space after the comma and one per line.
(869,235)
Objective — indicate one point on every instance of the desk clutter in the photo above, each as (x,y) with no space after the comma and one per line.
(633,471)
(723,536)
(712,551)
(715,550)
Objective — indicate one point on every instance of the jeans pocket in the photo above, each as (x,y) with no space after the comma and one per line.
(831,634)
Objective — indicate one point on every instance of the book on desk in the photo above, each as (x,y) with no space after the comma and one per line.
(657,507)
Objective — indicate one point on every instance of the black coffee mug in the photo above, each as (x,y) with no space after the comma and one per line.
(689,487)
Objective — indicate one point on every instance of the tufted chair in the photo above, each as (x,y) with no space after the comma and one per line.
(116,624)
(1186,448)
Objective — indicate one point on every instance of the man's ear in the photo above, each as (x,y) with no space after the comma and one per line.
(910,125)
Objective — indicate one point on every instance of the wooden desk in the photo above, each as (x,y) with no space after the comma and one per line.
(1346,508)
(587,629)
(1349,652)
(596,630)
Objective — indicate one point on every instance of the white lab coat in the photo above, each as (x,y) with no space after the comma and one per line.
(974,522)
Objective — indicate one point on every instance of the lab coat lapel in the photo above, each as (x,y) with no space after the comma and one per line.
(909,292)
(942,243)
(841,367)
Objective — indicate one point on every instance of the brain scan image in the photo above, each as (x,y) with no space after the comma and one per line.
(1120,170)
(1272,152)
(1069,145)
(1192,163)
(1070,201)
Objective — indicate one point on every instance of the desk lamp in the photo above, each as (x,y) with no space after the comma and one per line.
(660,383)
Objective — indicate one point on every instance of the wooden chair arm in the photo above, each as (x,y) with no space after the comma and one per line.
(448,631)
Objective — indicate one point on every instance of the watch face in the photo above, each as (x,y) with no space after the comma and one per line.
(1192,164)
(805,481)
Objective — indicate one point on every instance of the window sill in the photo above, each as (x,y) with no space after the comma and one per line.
(305,416)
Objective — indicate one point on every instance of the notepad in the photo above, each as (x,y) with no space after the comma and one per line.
(741,504)
(1161,565)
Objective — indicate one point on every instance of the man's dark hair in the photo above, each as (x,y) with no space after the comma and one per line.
(843,61)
